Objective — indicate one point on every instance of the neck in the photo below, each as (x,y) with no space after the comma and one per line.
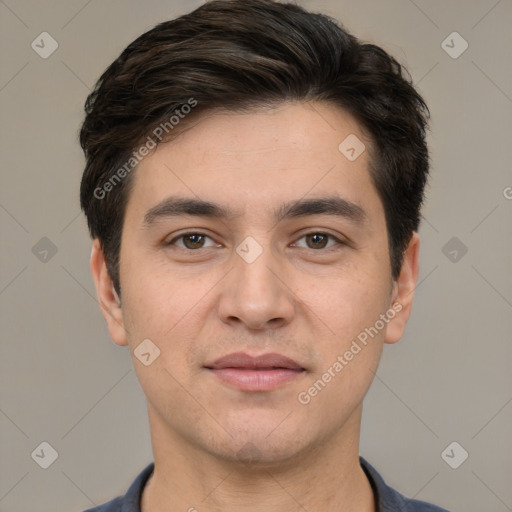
(325,477)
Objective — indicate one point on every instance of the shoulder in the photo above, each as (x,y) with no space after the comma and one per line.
(389,500)
(130,502)
(421,506)
(112,506)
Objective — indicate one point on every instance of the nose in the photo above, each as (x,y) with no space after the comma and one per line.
(256,294)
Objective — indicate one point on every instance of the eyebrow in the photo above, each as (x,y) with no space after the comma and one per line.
(332,205)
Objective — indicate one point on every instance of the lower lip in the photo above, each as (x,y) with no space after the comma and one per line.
(256,380)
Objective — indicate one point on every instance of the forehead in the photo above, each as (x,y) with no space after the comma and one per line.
(260,157)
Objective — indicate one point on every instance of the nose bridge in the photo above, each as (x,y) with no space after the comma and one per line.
(256,277)
(256,294)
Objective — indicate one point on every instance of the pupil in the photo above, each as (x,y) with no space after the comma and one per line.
(319,240)
(193,241)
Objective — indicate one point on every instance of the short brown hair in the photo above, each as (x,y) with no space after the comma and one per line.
(239,55)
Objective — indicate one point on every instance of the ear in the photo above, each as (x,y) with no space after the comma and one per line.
(403,290)
(107,296)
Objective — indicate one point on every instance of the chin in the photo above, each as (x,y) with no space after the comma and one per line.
(261,445)
(257,454)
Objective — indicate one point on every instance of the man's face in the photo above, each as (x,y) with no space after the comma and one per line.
(273,276)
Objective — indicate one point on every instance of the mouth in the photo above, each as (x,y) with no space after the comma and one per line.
(262,373)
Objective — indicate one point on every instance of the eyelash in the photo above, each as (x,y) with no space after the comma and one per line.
(183,235)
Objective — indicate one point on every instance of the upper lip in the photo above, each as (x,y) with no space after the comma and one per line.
(264,361)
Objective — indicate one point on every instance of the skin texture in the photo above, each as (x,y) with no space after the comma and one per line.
(217,447)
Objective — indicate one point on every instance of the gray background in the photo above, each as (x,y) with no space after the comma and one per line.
(63,380)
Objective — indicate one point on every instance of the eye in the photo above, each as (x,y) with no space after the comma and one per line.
(192,241)
(318,240)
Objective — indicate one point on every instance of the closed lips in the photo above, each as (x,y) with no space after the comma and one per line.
(263,362)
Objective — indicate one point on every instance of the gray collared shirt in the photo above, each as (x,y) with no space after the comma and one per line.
(386,498)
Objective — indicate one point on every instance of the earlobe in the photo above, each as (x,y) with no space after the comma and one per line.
(108,298)
(403,290)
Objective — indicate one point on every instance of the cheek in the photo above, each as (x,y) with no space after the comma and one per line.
(347,303)
(349,354)
(171,311)
(154,301)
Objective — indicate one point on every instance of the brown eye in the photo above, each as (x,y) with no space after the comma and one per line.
(192,241)
(317,240)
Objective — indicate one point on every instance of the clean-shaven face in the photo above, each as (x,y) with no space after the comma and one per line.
(254,252)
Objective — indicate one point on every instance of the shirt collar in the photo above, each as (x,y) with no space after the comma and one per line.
(386,499)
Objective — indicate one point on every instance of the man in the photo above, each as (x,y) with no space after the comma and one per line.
(253,186)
